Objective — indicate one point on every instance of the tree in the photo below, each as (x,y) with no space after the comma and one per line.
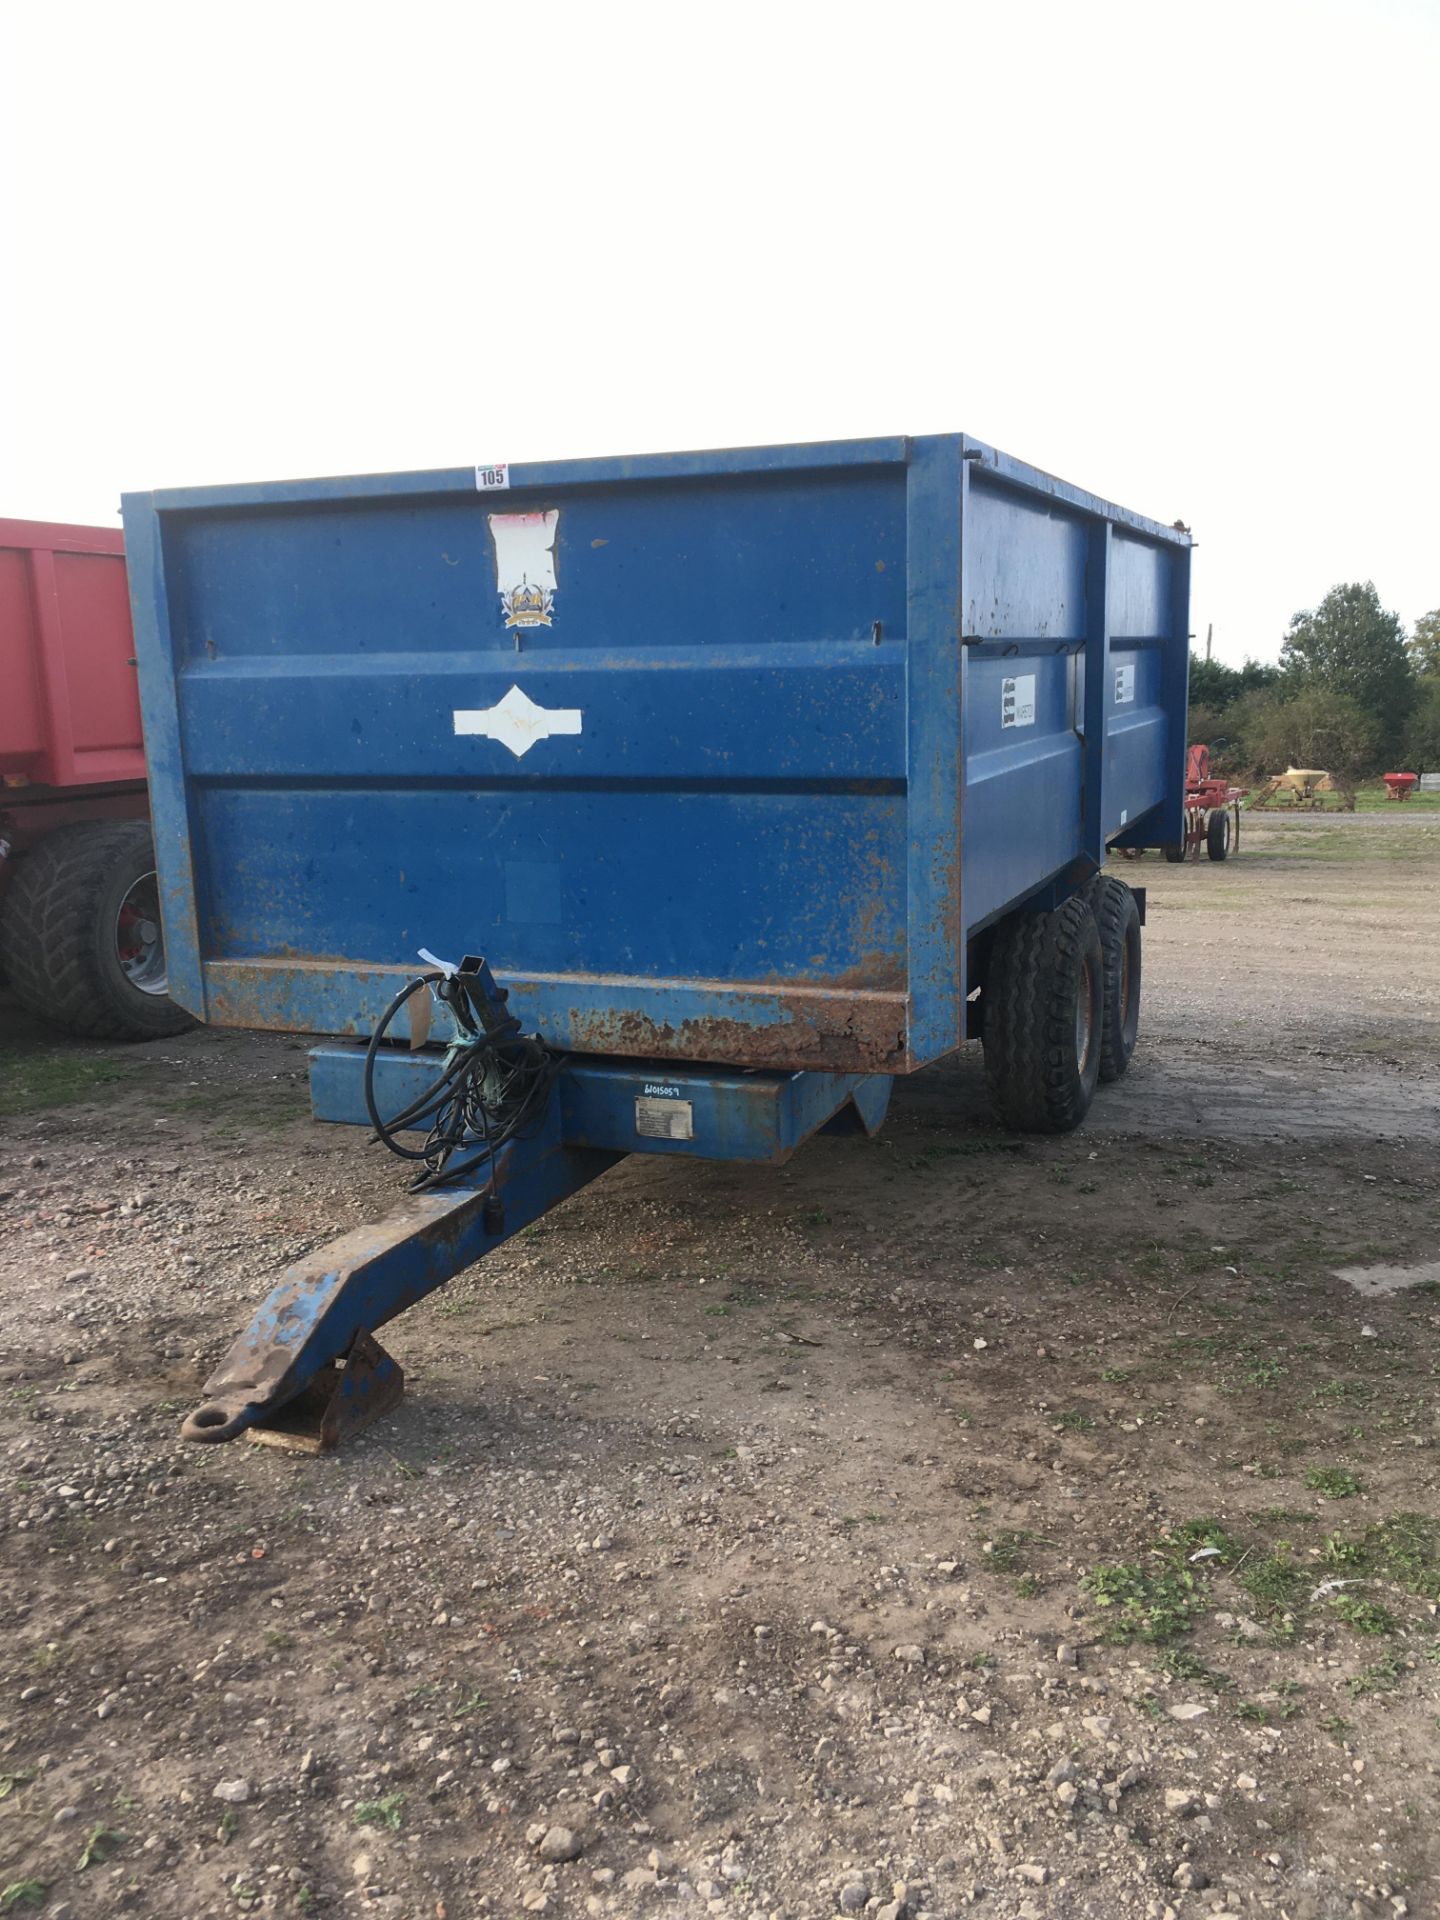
(1422,736)
(1313,727)
(1425,644)
(1350,645)
(1215,686)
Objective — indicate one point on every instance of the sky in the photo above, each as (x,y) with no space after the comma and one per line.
(1184,256)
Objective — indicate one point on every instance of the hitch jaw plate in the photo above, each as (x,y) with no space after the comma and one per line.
(344,1397)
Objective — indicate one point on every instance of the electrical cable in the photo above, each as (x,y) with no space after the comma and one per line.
(493,1088)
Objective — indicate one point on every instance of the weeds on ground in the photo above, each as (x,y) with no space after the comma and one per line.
(1006,1552)
(1406,1549)
(1336,1483)
(381,1813)
(1276,1585)
(1365,1616)
(1183,1665)
(1382,1676)
(1150,1604)
(1156,1600)
(22,1893)
(100,1843)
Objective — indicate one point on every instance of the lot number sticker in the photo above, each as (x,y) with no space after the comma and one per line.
(493,479)
(1017,701)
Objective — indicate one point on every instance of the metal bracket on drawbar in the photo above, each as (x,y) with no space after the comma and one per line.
(344,1397)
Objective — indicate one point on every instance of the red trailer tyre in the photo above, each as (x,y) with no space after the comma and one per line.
(80,938)
(1217,834)
(1044,1017)
(1118,918)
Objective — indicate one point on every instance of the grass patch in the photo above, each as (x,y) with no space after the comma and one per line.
(35,1077)
(940,1150)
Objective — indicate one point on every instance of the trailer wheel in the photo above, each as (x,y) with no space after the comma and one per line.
(1118,918)
(1217,834)
(1175,855)
(80,937)
(1044,1018)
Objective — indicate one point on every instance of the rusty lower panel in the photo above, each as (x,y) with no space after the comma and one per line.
(858,1034)
(833,1029)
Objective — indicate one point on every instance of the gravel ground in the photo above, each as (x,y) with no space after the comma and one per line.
(939,1523)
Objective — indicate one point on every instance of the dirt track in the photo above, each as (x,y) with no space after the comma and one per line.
(772,1532)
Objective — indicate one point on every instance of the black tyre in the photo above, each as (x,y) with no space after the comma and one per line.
(80,936)
(1118,918)
(1175,855)
(1043,1018)
(1217,834)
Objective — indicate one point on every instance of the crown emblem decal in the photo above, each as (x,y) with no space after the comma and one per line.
(525,566)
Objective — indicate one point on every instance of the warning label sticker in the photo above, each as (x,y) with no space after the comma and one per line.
(664,1119)
(1017,701)
(1124,685)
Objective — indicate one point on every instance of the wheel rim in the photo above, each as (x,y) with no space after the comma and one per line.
(139,945)
(1085,1019)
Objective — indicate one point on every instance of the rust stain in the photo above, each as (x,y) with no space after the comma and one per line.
(846,1036)
(857,1022)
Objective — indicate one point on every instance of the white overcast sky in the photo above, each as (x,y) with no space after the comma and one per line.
(1184,255)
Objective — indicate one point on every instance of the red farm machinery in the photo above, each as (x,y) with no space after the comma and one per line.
(80,939)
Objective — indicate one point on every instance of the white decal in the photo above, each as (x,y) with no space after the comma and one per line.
(1124,685)
(1017,701)
(665,1119)
(525,565)
(493,479)
(516,722)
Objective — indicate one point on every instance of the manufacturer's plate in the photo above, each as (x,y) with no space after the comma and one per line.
(664,1119)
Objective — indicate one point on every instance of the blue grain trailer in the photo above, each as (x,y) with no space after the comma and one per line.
(715,789)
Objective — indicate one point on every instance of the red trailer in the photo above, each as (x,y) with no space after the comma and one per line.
(80,939)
